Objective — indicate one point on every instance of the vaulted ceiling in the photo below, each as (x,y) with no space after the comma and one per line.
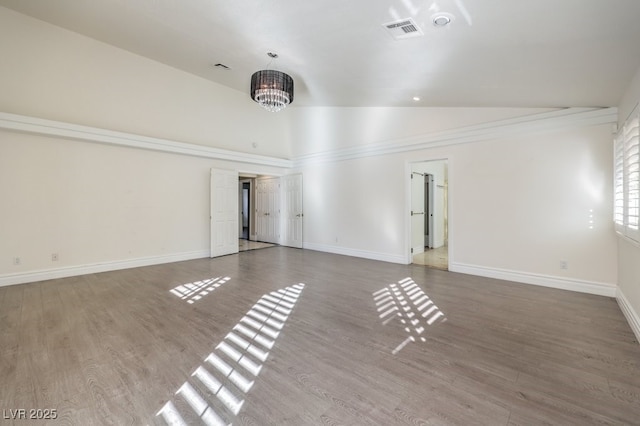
(513,53)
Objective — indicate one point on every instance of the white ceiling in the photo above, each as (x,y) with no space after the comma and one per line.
(499,53)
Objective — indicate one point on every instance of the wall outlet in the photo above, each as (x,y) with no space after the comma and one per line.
(564,264)
(54,257)
(16,261)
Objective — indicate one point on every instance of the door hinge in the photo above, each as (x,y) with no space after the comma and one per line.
(411,249)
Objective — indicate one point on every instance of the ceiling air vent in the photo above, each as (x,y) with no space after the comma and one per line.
(404,28)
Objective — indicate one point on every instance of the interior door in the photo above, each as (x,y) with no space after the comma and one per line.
(417,212)
(429,204)
(268,210)
(292,210)
(224,212)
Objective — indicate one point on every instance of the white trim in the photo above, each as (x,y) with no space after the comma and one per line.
(71,271)
(630,314)
(41,126)
(582,286)
(631,241)
(554,120)
(384,257)
(567,117)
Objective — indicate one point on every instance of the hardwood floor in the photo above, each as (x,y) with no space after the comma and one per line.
(294,337)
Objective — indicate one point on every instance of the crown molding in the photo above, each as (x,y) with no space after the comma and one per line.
(553,120)
(39,126)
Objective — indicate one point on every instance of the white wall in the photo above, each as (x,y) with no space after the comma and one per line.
(51,73)
(320,129)
(628,251)
(519,206)
(525,204)
(99,204)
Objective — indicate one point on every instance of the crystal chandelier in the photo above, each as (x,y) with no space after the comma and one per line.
(273,90)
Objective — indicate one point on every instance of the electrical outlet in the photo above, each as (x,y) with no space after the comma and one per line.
(16,261)
(564,264)
(54,257)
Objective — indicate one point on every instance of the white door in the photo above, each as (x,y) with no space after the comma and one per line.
(292,210)
(429,207)
(268,210)
(417,212)
(224,212)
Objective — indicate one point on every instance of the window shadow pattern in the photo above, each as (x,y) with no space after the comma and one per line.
(409,304)
(215,392)
(196,290)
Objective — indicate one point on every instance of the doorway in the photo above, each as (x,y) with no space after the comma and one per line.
(248,237)
(267,210)
(429,214)
(245,209)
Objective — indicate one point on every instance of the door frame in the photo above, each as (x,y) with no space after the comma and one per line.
(408,168)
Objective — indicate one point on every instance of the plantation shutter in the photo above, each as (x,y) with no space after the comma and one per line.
(632,174)
(618,182)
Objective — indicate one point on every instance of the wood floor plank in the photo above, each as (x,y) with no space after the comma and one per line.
(115,347)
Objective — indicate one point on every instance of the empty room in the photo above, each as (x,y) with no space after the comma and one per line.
(400,212)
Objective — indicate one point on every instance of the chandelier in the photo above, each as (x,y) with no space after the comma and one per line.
(272,89)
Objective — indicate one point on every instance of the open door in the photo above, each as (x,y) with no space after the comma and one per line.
(429,204)
(292,210)
(224,212)
(268,210)
(417,213)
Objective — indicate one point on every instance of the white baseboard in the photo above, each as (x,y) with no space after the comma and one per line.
(630,314)
(582,286)
(418,250)
(72,271)
(384,257)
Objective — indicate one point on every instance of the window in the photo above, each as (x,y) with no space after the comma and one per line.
(626,179)
(618,182)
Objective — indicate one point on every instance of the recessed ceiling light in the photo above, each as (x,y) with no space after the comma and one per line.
(416,98)
(442,19)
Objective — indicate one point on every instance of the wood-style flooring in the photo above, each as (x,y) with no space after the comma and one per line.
(295,337)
